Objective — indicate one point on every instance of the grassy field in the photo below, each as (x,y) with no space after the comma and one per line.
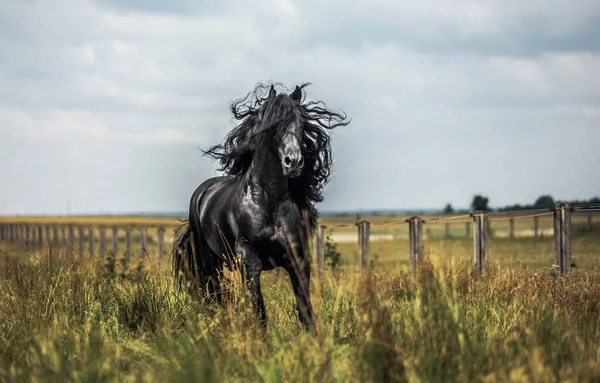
(66,319)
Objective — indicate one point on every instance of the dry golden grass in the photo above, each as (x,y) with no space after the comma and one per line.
(64,319)
(68,319)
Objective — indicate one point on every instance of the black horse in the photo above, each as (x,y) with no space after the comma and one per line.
(277,161)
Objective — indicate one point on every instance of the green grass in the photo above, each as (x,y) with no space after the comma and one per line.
(64,319)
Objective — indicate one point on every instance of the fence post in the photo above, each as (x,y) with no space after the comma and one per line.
(536,226)
(55,239)
(415,238)
(143,242)
(102,241)
(63,238)
(364,229)
(127,244)
(28,235)
(161,241)
(562,237)
(320,251)
(49,236)
(71,239)
(447,229)
(359,252)
(115,240)
(511,228)
(81,242)
(41,236)
(33,237)
(91,241)
(480,239)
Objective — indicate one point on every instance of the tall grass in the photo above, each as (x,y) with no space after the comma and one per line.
(62,319)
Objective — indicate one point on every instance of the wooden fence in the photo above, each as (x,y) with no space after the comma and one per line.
(481,234)
(81,239)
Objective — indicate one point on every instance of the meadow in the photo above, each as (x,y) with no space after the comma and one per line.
(67,319)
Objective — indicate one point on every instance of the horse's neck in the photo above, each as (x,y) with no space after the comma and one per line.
(266,173)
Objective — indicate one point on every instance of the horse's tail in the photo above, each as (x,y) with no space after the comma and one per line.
(184,262)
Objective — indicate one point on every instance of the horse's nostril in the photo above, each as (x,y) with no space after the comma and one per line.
(287,161)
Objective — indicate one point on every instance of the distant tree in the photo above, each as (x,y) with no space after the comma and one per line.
(448,209)
(480,203)
(544,202)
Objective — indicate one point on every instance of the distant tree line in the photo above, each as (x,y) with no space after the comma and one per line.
(545,201)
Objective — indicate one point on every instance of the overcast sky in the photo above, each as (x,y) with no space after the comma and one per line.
(104,104)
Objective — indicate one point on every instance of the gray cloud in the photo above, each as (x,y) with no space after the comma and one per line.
(106,103)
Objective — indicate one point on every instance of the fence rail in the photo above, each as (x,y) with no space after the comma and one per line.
(36,236)
(481,221)
(79,238)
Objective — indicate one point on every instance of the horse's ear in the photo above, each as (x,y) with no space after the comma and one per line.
(272,92)
(296,94)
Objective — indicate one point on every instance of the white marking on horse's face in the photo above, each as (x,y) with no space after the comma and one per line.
(290,151)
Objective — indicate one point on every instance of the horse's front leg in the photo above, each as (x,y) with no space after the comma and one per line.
(253,268)
(299,269)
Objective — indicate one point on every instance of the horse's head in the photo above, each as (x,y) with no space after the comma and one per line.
(281,115)
(292,130)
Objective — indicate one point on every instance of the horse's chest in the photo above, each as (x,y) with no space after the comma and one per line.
(258,219)
(253,204)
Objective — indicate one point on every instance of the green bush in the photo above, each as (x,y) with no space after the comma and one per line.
(333,258)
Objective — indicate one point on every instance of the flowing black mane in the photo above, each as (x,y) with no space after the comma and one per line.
(274,114)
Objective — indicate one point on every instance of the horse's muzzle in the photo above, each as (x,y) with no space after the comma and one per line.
(292,165)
